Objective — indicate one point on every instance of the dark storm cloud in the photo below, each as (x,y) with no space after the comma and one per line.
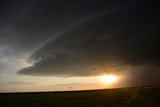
(50,18)
(12,15)
(118,41)
(25,25)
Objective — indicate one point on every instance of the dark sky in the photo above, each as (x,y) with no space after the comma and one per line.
(80,37)
(34,21)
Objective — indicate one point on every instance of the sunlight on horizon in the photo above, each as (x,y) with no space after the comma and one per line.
(109,79)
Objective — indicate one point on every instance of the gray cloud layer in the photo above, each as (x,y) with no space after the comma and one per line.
(118,41)
(21,83)
(25,25)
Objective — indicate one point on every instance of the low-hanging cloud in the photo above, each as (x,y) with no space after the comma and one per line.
(110,43)
(21,83)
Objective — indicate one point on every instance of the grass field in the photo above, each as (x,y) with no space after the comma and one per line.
(121,97)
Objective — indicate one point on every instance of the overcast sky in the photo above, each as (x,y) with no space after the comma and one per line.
(70,40)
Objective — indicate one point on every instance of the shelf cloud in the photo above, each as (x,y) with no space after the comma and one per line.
(115,42)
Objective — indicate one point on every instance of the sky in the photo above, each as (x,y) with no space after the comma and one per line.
(54,45)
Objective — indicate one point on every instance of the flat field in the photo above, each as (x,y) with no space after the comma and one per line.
(120,97)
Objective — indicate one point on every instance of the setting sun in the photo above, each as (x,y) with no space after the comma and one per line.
(109,79)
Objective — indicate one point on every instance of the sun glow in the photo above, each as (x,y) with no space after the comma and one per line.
(109,79)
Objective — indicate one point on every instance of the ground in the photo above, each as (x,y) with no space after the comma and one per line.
(120,97)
